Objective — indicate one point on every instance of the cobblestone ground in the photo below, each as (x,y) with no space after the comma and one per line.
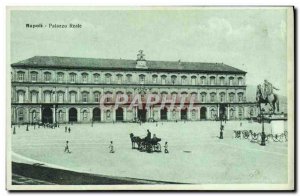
(196,155)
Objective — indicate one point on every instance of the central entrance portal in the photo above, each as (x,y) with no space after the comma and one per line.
(47,115)
(142,115)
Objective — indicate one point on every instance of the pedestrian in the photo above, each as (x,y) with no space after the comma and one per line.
(166,147)
(67,150)
(69,129)
(66,129)
(111,147)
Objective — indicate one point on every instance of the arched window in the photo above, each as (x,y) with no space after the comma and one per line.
(47,96)
(173,79)
(34,96)
(142,79)
(222,80)
(222,97)
(84,77)
(154,79)
(194,80)
(119,78)
(33,76)
(21,96)
(60,96)
(212,80)
(163,79)
(212,97)
(97,97)
(231,97)
(85,97)
(108,78)
(203,80)
(60,77)
(240,81)
(231,79)
(241,112)
(47,76)
(203,97)
(240,97)
(72,77)
(73,95)
(183,80)
(128,78)
(96,77)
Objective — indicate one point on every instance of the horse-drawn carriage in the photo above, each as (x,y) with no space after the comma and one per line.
(144,144)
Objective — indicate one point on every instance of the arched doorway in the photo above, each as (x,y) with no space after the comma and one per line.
(47,115)
(164,114)
(142,114)
(203,112)
(96,114)
(183,114)
(119,114)
(72,115)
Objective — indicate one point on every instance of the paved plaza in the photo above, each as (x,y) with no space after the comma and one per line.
(196,154)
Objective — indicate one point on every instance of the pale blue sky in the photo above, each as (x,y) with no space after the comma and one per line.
(253,40)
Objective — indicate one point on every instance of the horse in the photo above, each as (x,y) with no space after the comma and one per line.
(135,139)
(271,99)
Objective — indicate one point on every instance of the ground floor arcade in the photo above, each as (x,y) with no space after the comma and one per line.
(51,113)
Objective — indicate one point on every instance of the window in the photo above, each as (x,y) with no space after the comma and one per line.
(128,78)
(203,80)
(193,80)
(72,77)
(97,97)
(47,76)
(231,97)
(231,81)
(183,80)
(163,79)
(212,80)
(21,76)
(84,77)
(108,78)
(33,76)
(173,79)
(21,96)
(47,96)
(142,79)
(60,96)
(240,95)
(203,97)
(34,97)
(73,97)
(85,97)
(21,115)
(222,97)
(251,111)
(119,78)
(96,78)
(154,79)
(222,81)
(240,81)
(241,112)
(212,97)
(60,77)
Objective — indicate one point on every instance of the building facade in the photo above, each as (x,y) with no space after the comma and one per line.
(65,89)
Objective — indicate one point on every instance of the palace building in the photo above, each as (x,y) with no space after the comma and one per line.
(52,89)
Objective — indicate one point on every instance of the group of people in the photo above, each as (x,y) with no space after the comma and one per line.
(155,139)
(111,147)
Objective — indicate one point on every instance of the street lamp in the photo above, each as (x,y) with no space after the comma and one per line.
(263,135)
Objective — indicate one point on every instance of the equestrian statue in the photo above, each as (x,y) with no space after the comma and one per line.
(264,94)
